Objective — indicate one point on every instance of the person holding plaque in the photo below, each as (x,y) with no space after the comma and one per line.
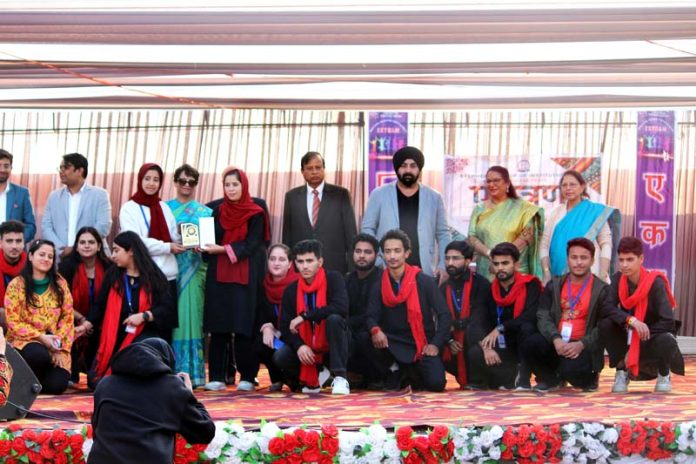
(188,337)
(233,280)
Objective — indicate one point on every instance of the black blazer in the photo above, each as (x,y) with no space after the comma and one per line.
(335,229)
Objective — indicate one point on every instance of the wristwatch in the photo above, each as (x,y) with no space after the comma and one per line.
(146,316)
(500,328)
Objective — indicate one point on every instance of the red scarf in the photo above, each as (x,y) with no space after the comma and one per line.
(639,301)
(11,270)
(517,295)
(274,288)
(234,217)
(158,224)
(408,293)
(314,337)
(80,286)
(111,326)
(459,335)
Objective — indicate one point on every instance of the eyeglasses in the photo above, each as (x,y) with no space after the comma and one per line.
(184,182)
(63,167)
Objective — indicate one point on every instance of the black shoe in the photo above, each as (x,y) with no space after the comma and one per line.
(548,386)
(393,381)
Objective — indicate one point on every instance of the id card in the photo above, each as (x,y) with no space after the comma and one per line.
(501,342)
(277,343)
(629,336)
(130,329)
(566,331)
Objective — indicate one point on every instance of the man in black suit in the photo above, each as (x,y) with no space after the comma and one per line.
(322,212)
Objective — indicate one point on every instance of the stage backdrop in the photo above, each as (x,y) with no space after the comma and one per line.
(387,132)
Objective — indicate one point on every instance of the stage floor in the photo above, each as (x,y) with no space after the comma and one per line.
(454,407)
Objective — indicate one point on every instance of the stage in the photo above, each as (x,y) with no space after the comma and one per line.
(420,410)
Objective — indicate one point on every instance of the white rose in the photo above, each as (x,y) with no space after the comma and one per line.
(494,452)
(87,447)
(219,441)
(270,430)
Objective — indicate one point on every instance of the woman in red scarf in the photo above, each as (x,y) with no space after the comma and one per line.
(281,273)
(152,219)
(133,303)
(83,268)
(235,273)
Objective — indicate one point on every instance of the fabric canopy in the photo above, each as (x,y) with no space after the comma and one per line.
(358,54)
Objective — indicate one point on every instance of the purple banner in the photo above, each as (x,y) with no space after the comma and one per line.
(655,224)
(388,131)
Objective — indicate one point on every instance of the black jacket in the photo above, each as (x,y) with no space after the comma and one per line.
(358,297)
(660,316)
(139,409)
(481,302)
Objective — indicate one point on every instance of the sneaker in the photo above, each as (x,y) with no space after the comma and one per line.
(620,382)
(547,386)
(215,385)
(276,387)
(310,390)
(524,373)
(663,384)
(246,386)
(324,375)
(340,386)
(593,386)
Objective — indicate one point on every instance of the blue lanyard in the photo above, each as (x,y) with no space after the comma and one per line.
(129,295)
(91,292)
(147,223)
(573,302)
(314,301)
(456,303)
(499,313)
(276,309)
(7,280)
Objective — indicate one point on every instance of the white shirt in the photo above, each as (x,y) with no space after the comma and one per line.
(3,203)
(73,210)
(310,198)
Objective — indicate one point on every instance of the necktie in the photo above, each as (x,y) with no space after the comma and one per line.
(315,207)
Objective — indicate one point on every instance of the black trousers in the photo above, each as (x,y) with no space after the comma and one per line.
(427,373)
(337,334)
(361,357)
(656,353)
(219,354)
(264,355)
(549,367)
(54,380)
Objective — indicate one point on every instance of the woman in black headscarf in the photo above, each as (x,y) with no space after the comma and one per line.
(139,409)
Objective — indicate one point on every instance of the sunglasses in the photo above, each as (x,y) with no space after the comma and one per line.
(190,182)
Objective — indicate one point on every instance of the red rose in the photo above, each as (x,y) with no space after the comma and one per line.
(507,454)
(13,428)
(509,438)
(441,432)
(300,435)
(421,444)
(30,435)
(34,457)
(523,433)
(311,438)
(526,449)
(325,459)
(43,437)
(412,458)
(19,446)
(76,440)
(311,455)
(330,445)
(295,459)
(625,431)
(276,446)
(329,430)
(281,461)
(404,432)
(434,442)
(46,451)
(403,438)
(61,458)
(430,459)
(5,447)
(291,443)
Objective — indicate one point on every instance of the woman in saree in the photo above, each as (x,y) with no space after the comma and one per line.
(188,343)
(577,216)
(505,217)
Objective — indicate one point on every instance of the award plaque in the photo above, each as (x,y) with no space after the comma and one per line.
(190,236)
(207,231)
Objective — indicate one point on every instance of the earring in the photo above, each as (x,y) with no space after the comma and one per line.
(507,190)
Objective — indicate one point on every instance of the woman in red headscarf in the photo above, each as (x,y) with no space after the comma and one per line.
(149,217)
(233,281)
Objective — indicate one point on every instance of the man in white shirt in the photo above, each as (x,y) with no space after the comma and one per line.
(74,206)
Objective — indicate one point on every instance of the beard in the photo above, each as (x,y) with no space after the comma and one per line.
(454,271)
(364,267)
(407,179)
(502,276)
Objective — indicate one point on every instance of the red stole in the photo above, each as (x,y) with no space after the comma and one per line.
(314,337)
(408,293)
(80,286)
(459,335)
(517,294)
(274,288)
(159,228)
(639,302)
(11,270)
(111,326)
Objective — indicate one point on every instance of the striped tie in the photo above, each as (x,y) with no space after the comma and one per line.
(315,207)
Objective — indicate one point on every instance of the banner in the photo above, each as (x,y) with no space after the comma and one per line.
(655,188)
(387,132)
(535,178)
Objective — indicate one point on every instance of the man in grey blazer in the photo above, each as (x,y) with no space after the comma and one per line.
(74,206)
(320,211)
(16,199)
(414,208)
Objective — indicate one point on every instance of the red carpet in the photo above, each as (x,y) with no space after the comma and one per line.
(453,407)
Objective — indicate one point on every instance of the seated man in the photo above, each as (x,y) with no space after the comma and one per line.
(313,324)
(12,258)
(359,284)
(468,295)
(408,319)
(568,349)
(494,360)
(640,335)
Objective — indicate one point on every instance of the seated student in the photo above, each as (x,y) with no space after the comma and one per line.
(280,274)
(12,258)
(5,370)
(494,360)
(468,295)
(359,284)
(313,324)
(568,348)
(640,335)
(408,319)
(39,313)
(141,407)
